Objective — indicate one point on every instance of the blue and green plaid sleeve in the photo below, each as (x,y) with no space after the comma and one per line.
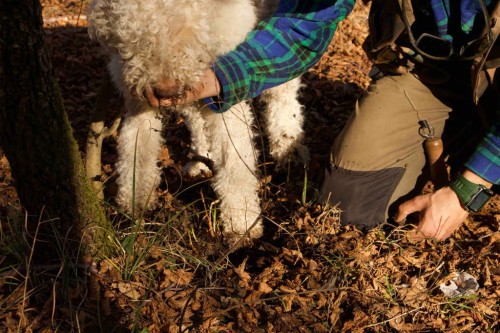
(469,9)
(485,162)
(278,50)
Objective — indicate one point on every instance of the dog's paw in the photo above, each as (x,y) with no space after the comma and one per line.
(236,240)
(196,170)
(242,237)
(138,204)
(298,156)
(302,155)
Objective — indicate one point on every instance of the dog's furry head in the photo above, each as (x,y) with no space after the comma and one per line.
(168,39)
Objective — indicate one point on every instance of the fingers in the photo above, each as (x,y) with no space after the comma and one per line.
(430,230)
(426,228)
(169,101)
(167,89)
(162,94)
(411,206)
(440,214)
(151,98)
(178,99)
(155,101)
(172,92)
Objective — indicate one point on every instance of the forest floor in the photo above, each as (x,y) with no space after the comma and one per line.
(307,274)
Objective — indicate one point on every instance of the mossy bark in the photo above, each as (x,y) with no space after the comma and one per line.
(36,135)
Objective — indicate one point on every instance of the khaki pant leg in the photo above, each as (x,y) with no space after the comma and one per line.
(379,155)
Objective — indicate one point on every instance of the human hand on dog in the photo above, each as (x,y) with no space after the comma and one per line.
(169,92)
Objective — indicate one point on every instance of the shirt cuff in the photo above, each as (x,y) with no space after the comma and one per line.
(229,66)
(485,161)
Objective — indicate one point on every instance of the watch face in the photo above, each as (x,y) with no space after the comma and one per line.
(478,201)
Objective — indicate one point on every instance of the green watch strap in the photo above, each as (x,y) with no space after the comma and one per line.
(465,189)
(472,196)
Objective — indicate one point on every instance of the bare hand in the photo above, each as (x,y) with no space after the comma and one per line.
(170,92)
(440,214)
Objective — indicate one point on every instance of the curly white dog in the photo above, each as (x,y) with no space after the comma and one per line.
(152,40)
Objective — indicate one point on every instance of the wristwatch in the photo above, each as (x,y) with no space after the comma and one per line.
(472,196)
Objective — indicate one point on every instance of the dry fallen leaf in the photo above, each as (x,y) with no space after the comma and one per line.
(127,289)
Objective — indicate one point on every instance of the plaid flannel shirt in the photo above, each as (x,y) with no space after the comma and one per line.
(294,38)
(278,50)
(485,161)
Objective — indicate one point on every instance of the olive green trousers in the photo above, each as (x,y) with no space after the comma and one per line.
(378,160)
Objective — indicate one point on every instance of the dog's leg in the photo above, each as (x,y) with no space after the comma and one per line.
(235,182)
(139,143)
(284,122)
(197,168)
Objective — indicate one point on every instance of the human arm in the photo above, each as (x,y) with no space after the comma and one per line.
(441,212)
(278,50)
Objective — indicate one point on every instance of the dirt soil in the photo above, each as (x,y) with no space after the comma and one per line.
(308,273)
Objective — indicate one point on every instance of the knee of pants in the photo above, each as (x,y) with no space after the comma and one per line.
(362,196)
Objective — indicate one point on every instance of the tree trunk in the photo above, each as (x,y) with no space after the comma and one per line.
(35,133)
